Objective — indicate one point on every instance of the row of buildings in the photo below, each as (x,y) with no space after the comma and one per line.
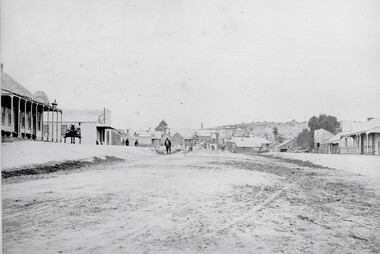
(26,115)
(355,138)
(32,116)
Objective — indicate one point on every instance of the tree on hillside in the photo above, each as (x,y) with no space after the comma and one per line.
(305,140)
(277,136)
(275,132)
(163,126)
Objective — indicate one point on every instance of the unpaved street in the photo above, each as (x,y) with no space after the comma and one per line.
(204,201)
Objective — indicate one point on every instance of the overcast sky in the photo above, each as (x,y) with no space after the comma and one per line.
(188,62)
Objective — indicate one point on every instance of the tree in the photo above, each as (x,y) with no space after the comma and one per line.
(163,126)
(305,140)
(277,136)
(275,132)
(329,123)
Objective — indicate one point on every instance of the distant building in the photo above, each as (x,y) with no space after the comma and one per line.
(95,126)
(156,137)
(333,143)
(183,137)
(225,134)
(204,136)
(321,138)
(239,132)
(132,139)
(144,138)
(22,113)
(249,144)
(286,146)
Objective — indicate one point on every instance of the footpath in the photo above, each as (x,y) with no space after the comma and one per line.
(33,157)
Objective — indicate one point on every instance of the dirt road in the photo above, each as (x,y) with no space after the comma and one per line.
(204,201)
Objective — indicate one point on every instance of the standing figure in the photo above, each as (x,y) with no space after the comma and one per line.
(168,145)
(136,143)
(127,142)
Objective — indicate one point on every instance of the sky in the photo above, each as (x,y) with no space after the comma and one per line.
(191,62)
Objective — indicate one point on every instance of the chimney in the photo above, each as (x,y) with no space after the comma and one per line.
(2,67)
(201,126)
(368,118)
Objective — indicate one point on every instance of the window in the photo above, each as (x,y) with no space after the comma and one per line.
(2,115)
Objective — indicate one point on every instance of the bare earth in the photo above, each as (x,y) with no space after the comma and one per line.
(203,201)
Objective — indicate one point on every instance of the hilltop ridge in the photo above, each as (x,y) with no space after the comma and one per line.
(264,129)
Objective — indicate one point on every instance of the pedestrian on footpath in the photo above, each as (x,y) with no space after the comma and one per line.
(136,143)
(168,145)
(127,142)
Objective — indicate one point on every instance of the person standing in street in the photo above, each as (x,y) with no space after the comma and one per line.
(168,145)
(127,142)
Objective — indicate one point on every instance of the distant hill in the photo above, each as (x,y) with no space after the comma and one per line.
(265,129)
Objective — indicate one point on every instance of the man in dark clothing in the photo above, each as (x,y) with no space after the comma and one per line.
(127,142)
(168,145)
(136,143)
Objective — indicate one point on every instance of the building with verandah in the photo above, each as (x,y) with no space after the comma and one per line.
(23,113)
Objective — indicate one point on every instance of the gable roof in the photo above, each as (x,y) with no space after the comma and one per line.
(289,142)
(185,133)
(11,85)
(155,134)
(143,134)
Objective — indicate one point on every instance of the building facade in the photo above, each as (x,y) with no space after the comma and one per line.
(358,138)
(95,126)
(23,114)
(249,144)
(321,139)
